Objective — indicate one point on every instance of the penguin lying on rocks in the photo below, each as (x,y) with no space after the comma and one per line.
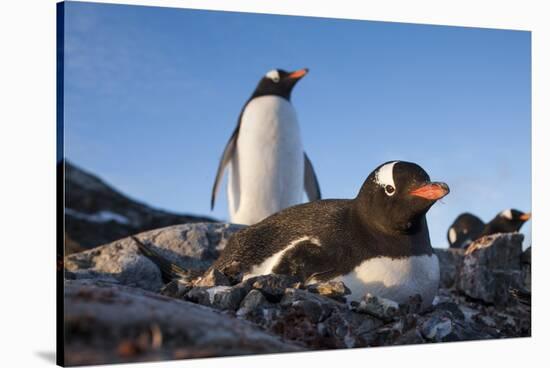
(376,243)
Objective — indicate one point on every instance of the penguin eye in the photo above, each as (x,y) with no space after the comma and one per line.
(389,190)
(275,79)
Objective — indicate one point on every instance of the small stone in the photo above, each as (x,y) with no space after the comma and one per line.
(312,310)
(385,335)
(331,289)
(510,323)
(469,313)
(452,308)
(379,307)
(315,307)
(213,278)
(198,295)
(253,300)
(413,305)
(412,336)
(272,286)
(176,289)
(226,298)
(437,328)
(486,320)
(354,304)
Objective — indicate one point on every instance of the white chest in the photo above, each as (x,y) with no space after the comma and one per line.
(396,279)
(267,172)
(269,119)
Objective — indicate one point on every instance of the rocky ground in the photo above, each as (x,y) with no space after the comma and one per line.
(96,213)
(117,308)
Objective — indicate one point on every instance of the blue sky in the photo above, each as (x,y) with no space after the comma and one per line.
(153,94)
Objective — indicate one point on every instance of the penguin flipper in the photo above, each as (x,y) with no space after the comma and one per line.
(306,260)
(169,271)
(227,155)
(311,184)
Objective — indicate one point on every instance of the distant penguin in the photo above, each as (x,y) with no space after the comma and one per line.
(468,228)
(376,243)
(465,229)
(508,221)
(268,168)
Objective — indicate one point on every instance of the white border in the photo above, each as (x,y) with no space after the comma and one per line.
(27,152)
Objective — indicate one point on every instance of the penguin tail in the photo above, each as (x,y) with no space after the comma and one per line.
(169,270)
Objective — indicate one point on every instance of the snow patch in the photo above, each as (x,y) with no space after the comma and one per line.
(100,217)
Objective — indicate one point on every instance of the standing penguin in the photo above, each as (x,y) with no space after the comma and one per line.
(465,229)
(268,168)
(376,243)
(508,221)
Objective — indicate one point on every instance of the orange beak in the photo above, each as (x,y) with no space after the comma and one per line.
(298,74)
(431,191)
(525,216)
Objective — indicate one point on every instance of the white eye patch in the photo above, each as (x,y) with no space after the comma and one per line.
(452,235)
(273,75)
(384,178)
(507,214)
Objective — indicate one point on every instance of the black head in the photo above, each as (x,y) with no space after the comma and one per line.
(278,82)
(510,220)
(396,196)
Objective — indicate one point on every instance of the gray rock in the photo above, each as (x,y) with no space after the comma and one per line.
(491,268)
(108,323)
(272,286)
(385,335)
(312,309)
(300,298)
(331,289)
(321,322)
(293,296)
(453,309)
(227,298)
(251,302)
(176,289)
(199,295)
(412,336)
(382,308)
(413,305)
(486,320)
(526,268)
(190,246)
(450,261)
(437,328)
(315,320)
